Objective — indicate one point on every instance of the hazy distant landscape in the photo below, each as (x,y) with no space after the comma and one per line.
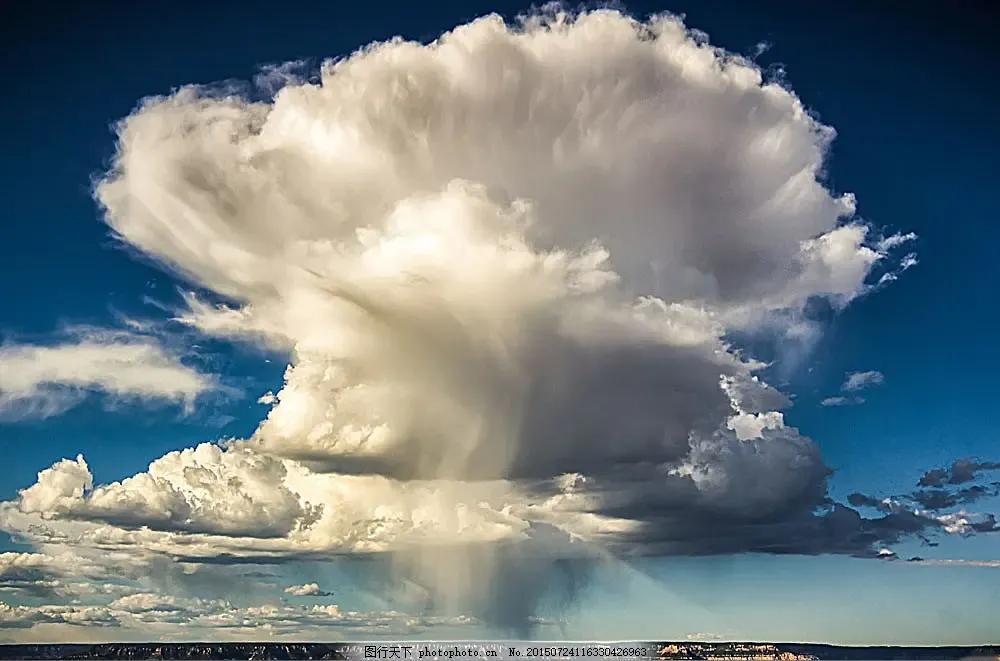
(664,650)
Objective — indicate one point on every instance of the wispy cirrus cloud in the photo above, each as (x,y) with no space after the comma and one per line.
(855,382)
(955,562)
(39,380)
(840,400)
(860,380)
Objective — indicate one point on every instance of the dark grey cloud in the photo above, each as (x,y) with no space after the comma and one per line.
(933,507)
(960,472)
(939,498)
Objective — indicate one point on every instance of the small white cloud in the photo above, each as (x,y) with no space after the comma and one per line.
(307,590)
(853,383)
(58,487)
(703,637)
(860,380)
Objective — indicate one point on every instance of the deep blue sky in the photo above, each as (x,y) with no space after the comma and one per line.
(909,88)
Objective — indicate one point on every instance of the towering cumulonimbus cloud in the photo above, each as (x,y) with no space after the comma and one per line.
(506,266)
(511,253)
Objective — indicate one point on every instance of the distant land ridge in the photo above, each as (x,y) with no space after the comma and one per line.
(665,650)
